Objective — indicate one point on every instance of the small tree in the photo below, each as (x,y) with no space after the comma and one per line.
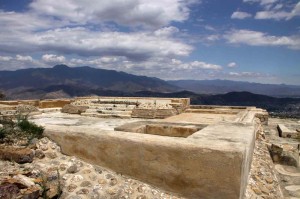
(2,96)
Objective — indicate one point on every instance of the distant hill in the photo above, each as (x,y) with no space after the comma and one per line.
(225,86)
(82,78)
(283,107)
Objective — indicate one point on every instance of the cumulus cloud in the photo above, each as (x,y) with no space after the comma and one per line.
(247,74)
(166,31)
(270,14)
(130,12)
(203,65)
(275,10)
(24,58)
(153,63)
(139,45)
(82,41)
(231,65)
(295,12)
(261,2)
(53,58)
(240,15)
(255,38)
(5,58)
(213,37)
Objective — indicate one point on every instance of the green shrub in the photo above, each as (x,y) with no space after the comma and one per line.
(2,133)
(22,129)
(31,129)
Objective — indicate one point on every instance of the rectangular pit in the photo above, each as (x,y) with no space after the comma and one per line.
(161,128)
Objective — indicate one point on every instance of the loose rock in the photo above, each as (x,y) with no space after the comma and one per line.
(39,154)
(19,155)
(72,169)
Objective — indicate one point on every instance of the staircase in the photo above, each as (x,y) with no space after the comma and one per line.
(109,110)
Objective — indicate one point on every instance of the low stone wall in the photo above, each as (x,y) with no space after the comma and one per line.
(39,103)
(217,106)
(153,113)
(54,103)
(212,163)
(287,133)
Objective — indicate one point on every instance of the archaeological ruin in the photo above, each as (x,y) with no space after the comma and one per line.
(130,147)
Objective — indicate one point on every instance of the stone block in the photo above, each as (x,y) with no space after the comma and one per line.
(285,154)
(72,109)
(287,133)
(54,103)
(19,155)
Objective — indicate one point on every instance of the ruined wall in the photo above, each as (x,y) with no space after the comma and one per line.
(54,103)
(212,163)
(39,103)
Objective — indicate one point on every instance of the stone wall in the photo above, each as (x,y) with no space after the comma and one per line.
(212,163)
(54,103)
(153,113)
(39,103)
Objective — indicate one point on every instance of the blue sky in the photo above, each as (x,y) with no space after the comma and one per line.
(244,40)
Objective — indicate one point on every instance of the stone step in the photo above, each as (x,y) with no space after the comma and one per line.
(89,114)
(175,104)
(215,111)
(103,111)
(112,106)
(49,110)
(123,116)
(114,112)
(114,109)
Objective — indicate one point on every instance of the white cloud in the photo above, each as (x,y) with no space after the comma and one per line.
(261,2)
(153,63)
(130,12)
(166,31)
(296,11)
(203,65)
(82,41)
(5,58)
(275,11)
(240,15)
(277,15)
(214,37)
(45,28)
(210,28)
(141,45)
(176,62)
(232,65)
(24,58)
(247,74)
(255,38)
(53,58)
(278,7)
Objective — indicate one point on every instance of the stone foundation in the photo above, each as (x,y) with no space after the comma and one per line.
(213,162)
(203,153)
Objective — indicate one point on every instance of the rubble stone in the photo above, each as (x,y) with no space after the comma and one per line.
(285,154)
(72,109)
(19,155)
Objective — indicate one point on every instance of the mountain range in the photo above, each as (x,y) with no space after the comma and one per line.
(81,77)
(62,81)
(225,86)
